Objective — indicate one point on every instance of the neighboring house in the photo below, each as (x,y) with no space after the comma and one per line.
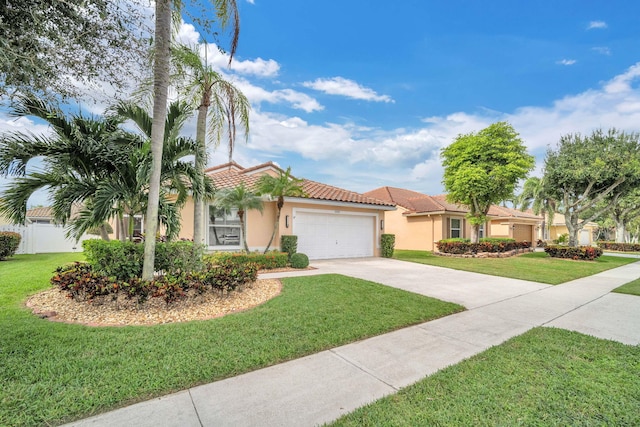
(422,220)
(585,236)
(330,222)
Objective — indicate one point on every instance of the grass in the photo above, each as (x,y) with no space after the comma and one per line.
(52,372)
(631,288)
(534,266)
(545,377)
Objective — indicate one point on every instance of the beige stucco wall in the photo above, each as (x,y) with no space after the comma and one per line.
(557,230)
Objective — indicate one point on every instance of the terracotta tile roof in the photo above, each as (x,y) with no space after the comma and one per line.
(46,212)
(418,203)
(230,175)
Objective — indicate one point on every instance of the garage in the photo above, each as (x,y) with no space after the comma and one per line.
(523,233)
(324,235)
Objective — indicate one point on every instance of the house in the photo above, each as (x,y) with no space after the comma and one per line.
(330,222)
(422,220)
(585,236)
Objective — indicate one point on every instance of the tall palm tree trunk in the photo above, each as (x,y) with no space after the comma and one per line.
(200,163)
(160,95)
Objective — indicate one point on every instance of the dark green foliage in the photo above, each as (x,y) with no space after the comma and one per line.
(497,240)
(492,245)
(387,242)
(9,242)
(266,261)
(123,260)
(289,244)
(588,253)
(622,247)
(299,260)
(456,240)
(83,283)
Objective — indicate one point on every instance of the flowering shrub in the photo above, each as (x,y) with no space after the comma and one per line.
(588,253)
(622,247)
(485,245)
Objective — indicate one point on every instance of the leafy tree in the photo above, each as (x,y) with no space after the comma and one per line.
(220,107)
(584,171)
(535,196)
(279,187)
(623,211)
(47,46)
(226,10)
(481,169)
(242,199)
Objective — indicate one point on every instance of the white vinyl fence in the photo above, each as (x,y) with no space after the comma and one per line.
(42,238)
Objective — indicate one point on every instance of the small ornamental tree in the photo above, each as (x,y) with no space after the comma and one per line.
(483,168)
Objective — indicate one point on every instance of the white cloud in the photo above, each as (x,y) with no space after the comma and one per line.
(346,87)
(256,67)
(567,62)
(596,25)
(602,50)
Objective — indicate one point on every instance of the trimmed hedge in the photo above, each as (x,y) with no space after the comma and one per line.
(9,242)
(457,247)
(588,253)
(266,261)
(123,260)
(622,247)
(387,243)
(299,260)
(289,244)
(82,283)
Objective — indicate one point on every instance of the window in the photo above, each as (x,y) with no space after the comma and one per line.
(455,229)
(481,231)
(137,226)
(224,227)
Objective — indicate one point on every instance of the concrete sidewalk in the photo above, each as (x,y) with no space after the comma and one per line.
(322,387)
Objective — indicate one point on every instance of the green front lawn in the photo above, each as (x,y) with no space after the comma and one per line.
(52,372)
(631,288)
(534,266)
(545,377)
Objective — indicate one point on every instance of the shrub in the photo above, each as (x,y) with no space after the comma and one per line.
(387,242)
(622,247)
(9,242)
(267,261)
(588,253)
(456,240)
(463,247)
(83,283)
(497,240)
(299,260)
(289,244)
(124,260)
(562,239)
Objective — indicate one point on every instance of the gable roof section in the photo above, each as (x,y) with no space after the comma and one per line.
(230,175)
(418,203)
(46,212)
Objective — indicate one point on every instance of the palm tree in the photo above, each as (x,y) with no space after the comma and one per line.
(95,163)
(535,196)
(226,10)
(242,199)
(279,187)
(217,100)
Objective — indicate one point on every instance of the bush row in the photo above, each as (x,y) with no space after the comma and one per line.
(9,242)
(577,253)
(622,247)
(83,283)
(451,246)
(123,260)
(266,261)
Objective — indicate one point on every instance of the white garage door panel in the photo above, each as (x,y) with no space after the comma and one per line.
(325,235)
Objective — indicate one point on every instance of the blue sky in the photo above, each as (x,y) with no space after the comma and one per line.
(362,94)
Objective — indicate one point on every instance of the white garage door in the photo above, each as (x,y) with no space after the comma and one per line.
(329,235)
